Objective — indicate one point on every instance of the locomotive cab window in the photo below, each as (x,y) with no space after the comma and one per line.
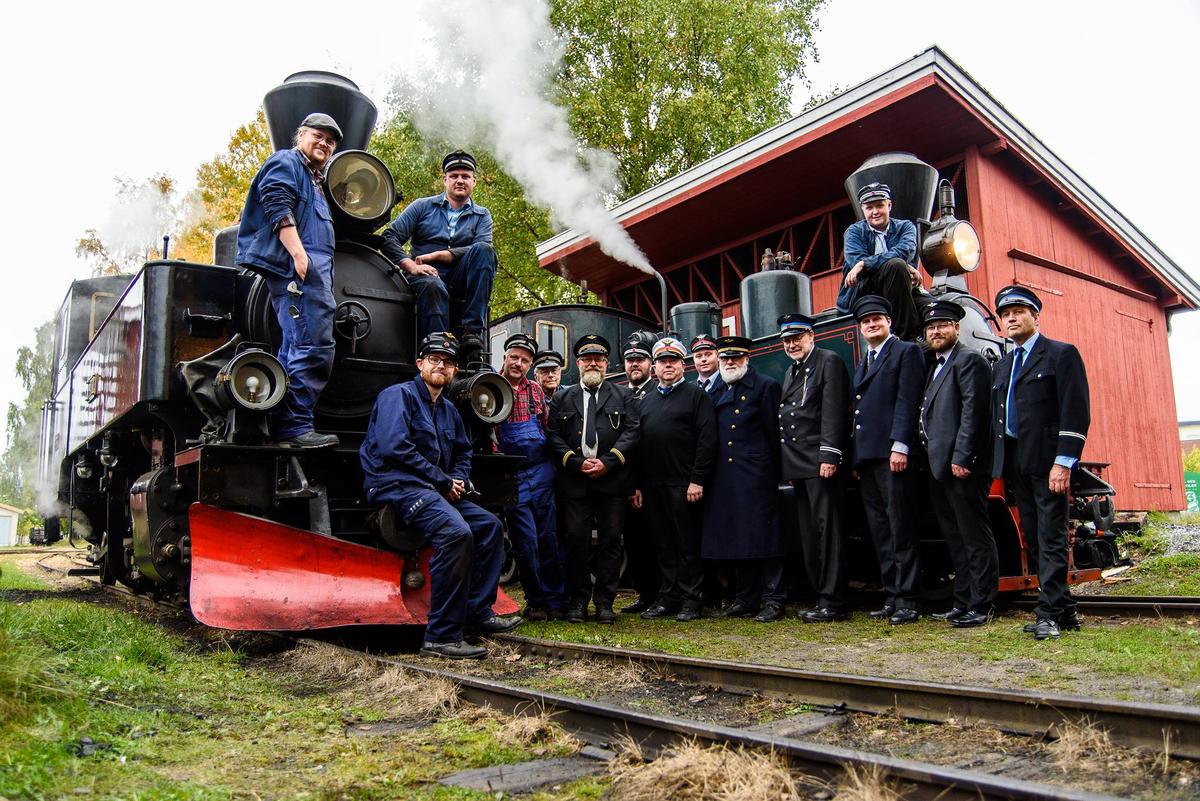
(551,336)
(497,348)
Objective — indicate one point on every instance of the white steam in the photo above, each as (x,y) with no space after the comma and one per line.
(136,225)
(486,79)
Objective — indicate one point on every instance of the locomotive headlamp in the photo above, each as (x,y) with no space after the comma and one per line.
(951,246)
(253,380)
(486,395)
(360,189)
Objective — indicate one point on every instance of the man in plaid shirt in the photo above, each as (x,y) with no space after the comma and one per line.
(532,528)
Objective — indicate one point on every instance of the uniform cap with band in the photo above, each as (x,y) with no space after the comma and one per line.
(591,343)
(793,324)
(942,310)
(442,342)
(669,348)
(547,358)
(703,342)
(871,304)
(1015,295)
(523,341)
(733,346)
(458,160)
(875,191)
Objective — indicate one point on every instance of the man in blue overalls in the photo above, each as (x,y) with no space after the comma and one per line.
(417,457)
(286,236)
(531,522)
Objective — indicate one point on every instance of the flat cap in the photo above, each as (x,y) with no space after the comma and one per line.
(942,310)
(1015,295)
(458,160)
(442,342)
(733,346)
(521,340)
(322,122)
(589,344)
(547,358)
(871,304)
(791,324)
(668,348)
(875,191)
(703,342)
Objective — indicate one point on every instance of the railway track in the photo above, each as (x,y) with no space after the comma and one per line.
(1130,605)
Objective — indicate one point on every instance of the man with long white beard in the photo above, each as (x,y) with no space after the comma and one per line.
(592,431)
(741,523)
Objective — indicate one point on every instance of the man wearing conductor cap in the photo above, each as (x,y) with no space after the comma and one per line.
(547,368)
(638,540)
(451,238)
(704,359)
(954,425)
(881,258)
(593,430)
(286,236)
(416,460)
(1041,414)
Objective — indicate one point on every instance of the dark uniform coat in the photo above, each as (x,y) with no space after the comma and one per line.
(741,520)
(616,434)
(955,416)
(886,396)
(813,414)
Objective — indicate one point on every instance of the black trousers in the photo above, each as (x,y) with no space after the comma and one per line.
(759,581)
(893,282)
(676,526)
(819,507)
(606,512)
(961,508)
(640,549)
(1044,523)
(883,495)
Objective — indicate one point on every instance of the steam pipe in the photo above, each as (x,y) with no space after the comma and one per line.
(662,287)
(166,241)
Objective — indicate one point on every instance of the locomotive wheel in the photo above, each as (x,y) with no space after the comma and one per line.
(114,567)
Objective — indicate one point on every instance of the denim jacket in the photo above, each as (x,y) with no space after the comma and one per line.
(424,222)
(859,242)
(282,186)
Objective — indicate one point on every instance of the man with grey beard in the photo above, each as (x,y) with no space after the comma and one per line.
(592,431)
(741,523)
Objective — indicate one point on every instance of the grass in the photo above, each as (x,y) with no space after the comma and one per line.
(1178,574)
(98,703)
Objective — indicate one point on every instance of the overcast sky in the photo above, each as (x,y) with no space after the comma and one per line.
(93,92)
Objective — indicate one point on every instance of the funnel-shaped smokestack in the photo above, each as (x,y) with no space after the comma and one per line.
(912,181)
(303,93)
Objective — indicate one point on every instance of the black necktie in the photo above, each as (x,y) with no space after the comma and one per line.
(870,359)
(589,420)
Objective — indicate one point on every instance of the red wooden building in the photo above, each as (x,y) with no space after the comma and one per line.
(1106,287)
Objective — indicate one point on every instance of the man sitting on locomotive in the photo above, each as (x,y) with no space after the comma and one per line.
(881,258)
(417,456)
(286,236)
(452,251)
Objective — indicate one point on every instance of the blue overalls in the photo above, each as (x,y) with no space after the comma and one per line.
(305,313)
(532,529)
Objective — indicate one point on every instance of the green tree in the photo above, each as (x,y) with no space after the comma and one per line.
(666,84)
(18,465)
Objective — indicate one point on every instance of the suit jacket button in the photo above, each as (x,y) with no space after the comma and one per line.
(730,443)
(732,426)
(730,458)
(737,411)
(857,428)
(781,406)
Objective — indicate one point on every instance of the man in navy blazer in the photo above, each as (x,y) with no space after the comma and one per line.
(1041,409)
(955,428)
(881,259)
(887,392)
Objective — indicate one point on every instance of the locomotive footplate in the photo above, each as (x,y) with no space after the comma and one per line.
(248,477)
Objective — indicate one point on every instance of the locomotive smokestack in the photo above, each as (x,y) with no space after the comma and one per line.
(303,93)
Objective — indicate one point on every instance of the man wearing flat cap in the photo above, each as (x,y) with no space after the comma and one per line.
(547,368)
(416,457)
(641,562)
(286,236)
(704,359)
(675,459)
(887,393)
(881,259)
(813,414)
(451,253)
(955,427)
(741,522)
(593,431)
(1041,412)
(532,529)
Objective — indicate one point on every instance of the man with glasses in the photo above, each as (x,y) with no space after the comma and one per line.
(417,457)
(451,238)
(286,236)
(547,368)
(812,434)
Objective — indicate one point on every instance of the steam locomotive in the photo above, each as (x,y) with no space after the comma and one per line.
(156,443)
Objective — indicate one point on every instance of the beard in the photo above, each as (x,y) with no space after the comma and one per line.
(733,373)
(591,378)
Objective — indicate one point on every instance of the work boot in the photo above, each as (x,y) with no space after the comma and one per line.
(310,439)
(605,614)
(470,349)
(575,614)
(494,625)
(453,650)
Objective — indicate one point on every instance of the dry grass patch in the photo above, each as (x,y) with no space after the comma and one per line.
(692,772)
(1086,745)
(361,681)
(537,728)
(603,674)
(866,783)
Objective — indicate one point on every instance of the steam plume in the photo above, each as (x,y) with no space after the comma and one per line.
(486,79)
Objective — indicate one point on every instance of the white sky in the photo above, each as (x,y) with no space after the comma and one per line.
(96,91)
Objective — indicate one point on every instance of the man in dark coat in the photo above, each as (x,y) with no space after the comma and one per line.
(641,561)
(1041,409)
(887,391)
(704,359)
(593,431)
(741,522)
(955,427)
(812,435)
(675,459)
(417,457)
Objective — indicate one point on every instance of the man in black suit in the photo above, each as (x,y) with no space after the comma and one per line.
(1040,402)
(812,435)
(887,391)
(704,359)
(592,432)
(955,428)
(641,562)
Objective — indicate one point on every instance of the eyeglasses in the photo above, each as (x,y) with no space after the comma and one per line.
(320,137)
(940,325)
(437,361)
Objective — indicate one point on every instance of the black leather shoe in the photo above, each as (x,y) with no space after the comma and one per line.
(496,625)
(453,650)
(823,614)
(1045,630)
(1069,621)
(952,615)
(903,616)
(310,439)
(605,614)
(575,614)
(689,613)
(770,612)
(659,610)
(1030,628)
(887,610)
(536,614)
(970,620)
(736,609)
(637,607)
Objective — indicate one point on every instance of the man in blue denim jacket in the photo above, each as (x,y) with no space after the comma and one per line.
(881,258)
(286,236)
(451,239)
(417,457)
